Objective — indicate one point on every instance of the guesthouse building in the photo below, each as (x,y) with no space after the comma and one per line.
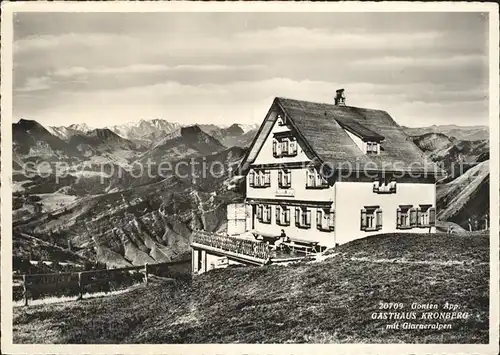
(329,173)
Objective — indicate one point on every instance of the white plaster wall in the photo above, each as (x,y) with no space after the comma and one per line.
(236,218)
(351,197)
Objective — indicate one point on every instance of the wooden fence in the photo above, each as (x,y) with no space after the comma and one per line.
(78,280)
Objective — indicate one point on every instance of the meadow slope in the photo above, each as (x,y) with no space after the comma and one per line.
(328,301)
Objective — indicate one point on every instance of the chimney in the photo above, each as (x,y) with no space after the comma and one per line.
(340,98)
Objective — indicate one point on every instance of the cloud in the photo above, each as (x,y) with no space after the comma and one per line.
(247,101)
(150,68)
(453,61)
(229,67)
(319,39)
(49,42)
(35,84)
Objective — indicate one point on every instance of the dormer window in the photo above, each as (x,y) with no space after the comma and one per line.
(383,185)
(372,147)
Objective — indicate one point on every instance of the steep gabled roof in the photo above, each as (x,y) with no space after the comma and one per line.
(323,129)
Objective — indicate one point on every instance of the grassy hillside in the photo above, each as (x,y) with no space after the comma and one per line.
(465,197)
(329,301)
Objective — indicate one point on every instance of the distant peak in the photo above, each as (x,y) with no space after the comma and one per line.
(28,124)
(102,133)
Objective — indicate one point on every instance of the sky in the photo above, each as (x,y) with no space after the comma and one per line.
(111,68)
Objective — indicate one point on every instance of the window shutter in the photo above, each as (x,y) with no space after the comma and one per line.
(289,173)
(267,178)
(308,217)
(297,216)
(419,217)
(413,217)
(318,218)
(332,220)
(432,216)
(280,178)
(251,178)
(287,216)
(269,213)
(293,147)
(379,218)
(277,213)
(310,178)
(259,211)
(363,219)
(398,217)
(275,147)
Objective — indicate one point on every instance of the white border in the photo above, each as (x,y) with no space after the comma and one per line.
(6,166)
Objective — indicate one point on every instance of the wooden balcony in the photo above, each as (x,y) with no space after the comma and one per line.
(249,251)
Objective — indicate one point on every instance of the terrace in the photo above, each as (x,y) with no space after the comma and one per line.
(241,248)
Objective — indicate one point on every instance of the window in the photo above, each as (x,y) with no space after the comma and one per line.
(303,217)
(372,147)
(371,218)
(406,217)
(384,185)
(315,180)
(325,219)
(281,120)
(264,213)
(282,215)
(261,178)
(284,147)
(284,179)
(426,216)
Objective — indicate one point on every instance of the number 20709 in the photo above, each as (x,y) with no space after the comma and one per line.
(390,305)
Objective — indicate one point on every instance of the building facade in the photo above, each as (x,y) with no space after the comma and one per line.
(331,173)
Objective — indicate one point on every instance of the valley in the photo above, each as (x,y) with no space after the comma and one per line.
(92,200)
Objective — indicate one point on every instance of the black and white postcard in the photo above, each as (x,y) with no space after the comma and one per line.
(187,176)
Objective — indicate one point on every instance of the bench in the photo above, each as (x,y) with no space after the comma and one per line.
(302,245)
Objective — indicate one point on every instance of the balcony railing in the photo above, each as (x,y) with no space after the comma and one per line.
(238,246)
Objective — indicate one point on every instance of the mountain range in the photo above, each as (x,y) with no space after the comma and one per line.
(119,217)
(465,133)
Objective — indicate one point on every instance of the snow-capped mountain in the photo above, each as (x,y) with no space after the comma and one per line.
(145,132)
(66,132)
(249,127)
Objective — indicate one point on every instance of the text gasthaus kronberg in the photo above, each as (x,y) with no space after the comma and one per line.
(417,315)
